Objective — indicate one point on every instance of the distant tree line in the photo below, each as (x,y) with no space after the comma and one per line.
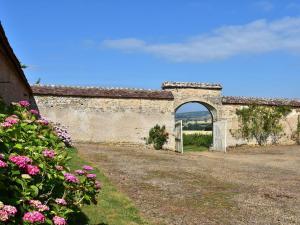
(197,126)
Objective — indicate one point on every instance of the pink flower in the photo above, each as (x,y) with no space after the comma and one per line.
(87,168)
(12,120)
(38,205)
(61,201)
(34,112)
(71,178)
(3,215)
(3,164)
(79,172)
(11,210)
(24,103)
(21,161)
(59,168)
(59,220)
(43,122)
(49,153)
(91,176)
(98,185)
(34,217)
(6,125)
(32,170)
(1,156)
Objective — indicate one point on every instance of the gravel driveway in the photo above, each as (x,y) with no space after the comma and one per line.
(249,186)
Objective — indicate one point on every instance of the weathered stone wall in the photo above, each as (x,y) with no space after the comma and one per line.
(109,120)
(289,126)
(125,116)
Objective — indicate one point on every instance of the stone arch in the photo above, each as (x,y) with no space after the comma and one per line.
(209,95)
(212,109)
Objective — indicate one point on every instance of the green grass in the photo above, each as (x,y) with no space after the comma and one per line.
(113,208)
(194,148)
(198,140)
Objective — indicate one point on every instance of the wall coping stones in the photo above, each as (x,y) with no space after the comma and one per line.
(194,85)
(101,92)
(228,100)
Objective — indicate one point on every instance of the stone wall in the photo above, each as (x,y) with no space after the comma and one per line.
(115,121)
(13,83)
(125,116)
(289,126)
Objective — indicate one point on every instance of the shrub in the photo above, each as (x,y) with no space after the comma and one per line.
(63,134)
(198,139)
(36,186)
(261,123)
(158,136)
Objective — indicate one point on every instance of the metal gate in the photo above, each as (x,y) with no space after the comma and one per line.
(219,135)
(178,136)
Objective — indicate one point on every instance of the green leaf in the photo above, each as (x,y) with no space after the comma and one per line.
(35,190)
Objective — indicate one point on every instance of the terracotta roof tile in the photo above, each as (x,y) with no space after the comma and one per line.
(53,90)
(260,101)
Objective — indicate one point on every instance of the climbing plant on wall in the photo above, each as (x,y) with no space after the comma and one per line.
(261,123)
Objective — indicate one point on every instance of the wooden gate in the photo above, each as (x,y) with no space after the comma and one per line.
(178,137)
(219,135)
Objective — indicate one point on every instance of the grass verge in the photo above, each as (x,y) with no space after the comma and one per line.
(194,148)
(113,208)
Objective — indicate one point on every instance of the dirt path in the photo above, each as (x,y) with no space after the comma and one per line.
(257,186)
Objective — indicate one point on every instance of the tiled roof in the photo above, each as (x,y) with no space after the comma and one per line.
(169,84)
(78,91)
(260,101)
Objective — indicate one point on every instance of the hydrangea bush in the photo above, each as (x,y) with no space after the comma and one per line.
(36,186)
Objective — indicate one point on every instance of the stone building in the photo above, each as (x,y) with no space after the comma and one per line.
(13,83)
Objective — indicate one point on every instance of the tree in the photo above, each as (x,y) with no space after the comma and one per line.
(261,122)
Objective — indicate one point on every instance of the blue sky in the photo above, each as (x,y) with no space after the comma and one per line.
(251,47)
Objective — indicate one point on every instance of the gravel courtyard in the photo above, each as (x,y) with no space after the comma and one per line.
(249,186)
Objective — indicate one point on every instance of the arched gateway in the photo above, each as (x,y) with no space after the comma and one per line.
(209,95)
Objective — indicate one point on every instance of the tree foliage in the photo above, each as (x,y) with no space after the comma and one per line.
(158,136)
(261,123)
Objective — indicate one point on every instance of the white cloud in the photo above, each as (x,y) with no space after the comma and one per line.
(256,37)
(264,5)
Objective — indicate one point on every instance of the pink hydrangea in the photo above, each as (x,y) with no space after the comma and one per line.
(79,172)
(98,185)
(38,205)
(43,121)
(11,210)
(87,168)
(3,215)
(59,220)
(91,176)
(2,156)
(71,178)
(12,120)
(3,164)
(21,161)
(34,112)
(32,170)
(34,217)
(6,124)
(24,103)
(59,168)
(49,153)
(61,201)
